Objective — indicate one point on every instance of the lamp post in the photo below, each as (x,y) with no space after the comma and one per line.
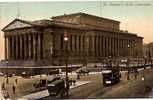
(144,77)
(7,80)
(66,55)
(150,58)
(128,74)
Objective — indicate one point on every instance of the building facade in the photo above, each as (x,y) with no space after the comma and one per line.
(148,50)
(90,38)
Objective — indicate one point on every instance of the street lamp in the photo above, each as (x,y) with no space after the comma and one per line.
(7,80)
(128,74)
(144,77)
(66,55)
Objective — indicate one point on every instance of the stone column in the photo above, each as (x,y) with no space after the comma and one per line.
(77,44)
(69,42)
(25,47)
(21,47)
(72,44)
(104,55)
(132,48)
(112,42)
(127,42)
(90,46)
(106,47)
(121,47)
(100,45)
(115,53)
(129,48)
(9,47)
(118,51)
(38,47)
(34,46)
(125,45)
(12,48)
(5,42)
(93,45)
(109,47)
(29,42)
(17,47)
(87,45)
(81,45)
(127,53)
(97,41)
(96,45)
(123,53)
(113,47)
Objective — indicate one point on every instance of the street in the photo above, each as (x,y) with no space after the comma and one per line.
(93,89)
(125,89)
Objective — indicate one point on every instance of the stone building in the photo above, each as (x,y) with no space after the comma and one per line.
(90,38)
(148,50)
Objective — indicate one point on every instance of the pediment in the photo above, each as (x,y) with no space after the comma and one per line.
(16,24)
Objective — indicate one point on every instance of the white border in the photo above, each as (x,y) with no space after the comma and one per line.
(63,0)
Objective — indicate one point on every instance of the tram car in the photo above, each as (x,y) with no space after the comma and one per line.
(111,75)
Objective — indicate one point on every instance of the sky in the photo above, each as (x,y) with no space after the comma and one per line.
(135,16)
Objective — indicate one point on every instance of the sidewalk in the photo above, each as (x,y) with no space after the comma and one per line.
(1,93)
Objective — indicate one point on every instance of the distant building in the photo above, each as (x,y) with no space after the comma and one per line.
(91,38)
(148,50)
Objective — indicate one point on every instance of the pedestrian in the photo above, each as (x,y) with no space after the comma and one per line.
(74,81)
(135,73)
(3,86)
(16,80)
(70,82)
(13,88)
(7,96)
(78,76)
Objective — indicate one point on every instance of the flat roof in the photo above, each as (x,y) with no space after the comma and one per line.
(80,13)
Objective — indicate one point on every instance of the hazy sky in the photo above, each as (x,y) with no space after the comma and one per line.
(136,17)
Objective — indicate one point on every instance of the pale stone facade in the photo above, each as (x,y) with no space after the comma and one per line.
(91,38)
(148,50)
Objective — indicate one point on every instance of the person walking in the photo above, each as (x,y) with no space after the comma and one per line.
(7,96)
(13,88)
(135,73)
(3,86)
(74,81)
(16,80)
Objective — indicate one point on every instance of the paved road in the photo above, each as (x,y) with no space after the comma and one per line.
(125,88)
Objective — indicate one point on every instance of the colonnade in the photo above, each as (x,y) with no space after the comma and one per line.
(23,46)
(100,46)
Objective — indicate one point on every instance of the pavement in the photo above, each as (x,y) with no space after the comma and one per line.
(1,92)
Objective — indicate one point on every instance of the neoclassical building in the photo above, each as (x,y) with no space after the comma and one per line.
(90,38)
(148,50)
